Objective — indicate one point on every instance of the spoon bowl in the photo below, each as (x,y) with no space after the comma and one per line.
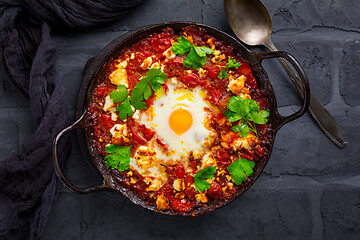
(249,20)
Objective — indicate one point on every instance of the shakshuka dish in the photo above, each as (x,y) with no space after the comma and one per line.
(179,120)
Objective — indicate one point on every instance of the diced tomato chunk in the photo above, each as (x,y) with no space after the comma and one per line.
(244,69)
(160,42)
(213,95)
(190,79)
(190,192)
(141,133)
(183,205)
(99,91)
(248,155)
(167,190)
(136,136)
(214,72)
(106,120)
(215,190)
(179,171)
(222,157)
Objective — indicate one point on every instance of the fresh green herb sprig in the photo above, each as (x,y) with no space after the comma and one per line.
(206,173)
(239,168)
(121,95)
(119,157)
(232,63)
(142,91)
(223,74)
(247,111)
(197,55)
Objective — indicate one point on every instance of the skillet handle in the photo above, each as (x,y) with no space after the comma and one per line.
(304,81)
(57,167)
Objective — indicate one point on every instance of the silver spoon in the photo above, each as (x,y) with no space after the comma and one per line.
(251,23)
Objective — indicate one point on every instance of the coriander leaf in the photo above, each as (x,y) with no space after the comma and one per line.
(137,103)
(243,128)
(202,51)
(253,105)
(260,117)
(181,47)
(238,106)
(234,103)
(232,63)
(119,95)
(223,74)
(124,109)
(147,91)
(194,60)
(156,83)
(142,90)
(156,78)
(200,184)
(245,109)
(232,116)
(119,157)
(207,172)
(239,168)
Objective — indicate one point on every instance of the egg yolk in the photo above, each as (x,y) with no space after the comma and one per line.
(180,121)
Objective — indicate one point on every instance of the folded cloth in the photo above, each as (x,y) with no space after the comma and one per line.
(28,184)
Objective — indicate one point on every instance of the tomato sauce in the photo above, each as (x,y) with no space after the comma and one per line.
(99,122)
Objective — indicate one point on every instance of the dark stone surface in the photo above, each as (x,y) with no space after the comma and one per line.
(287,216)
(349,76)
(67,224)
(307,14)
(340,209)
(317,60)
(309,189)
(293,15)
(302,149)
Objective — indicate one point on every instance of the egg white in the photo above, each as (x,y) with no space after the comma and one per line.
(157,117)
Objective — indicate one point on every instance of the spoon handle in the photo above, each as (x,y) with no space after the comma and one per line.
(322,117)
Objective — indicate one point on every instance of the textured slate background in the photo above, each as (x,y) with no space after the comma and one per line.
(310,188)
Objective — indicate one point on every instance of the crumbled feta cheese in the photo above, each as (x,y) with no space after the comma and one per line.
(169,54)
(198,153)
(236,85)
(109,104)
(122,64)
(208,160)
(162,202)
(217,52)
(201,197)
(201,72)
(146,63)
(119,134)
(114,115)
(119,76)
(218,58)
(136,114)
(145,157)
(178,185)
(210,41)
(249,142)
(155,65)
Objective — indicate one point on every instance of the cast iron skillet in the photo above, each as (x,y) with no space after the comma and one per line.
(95,69)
